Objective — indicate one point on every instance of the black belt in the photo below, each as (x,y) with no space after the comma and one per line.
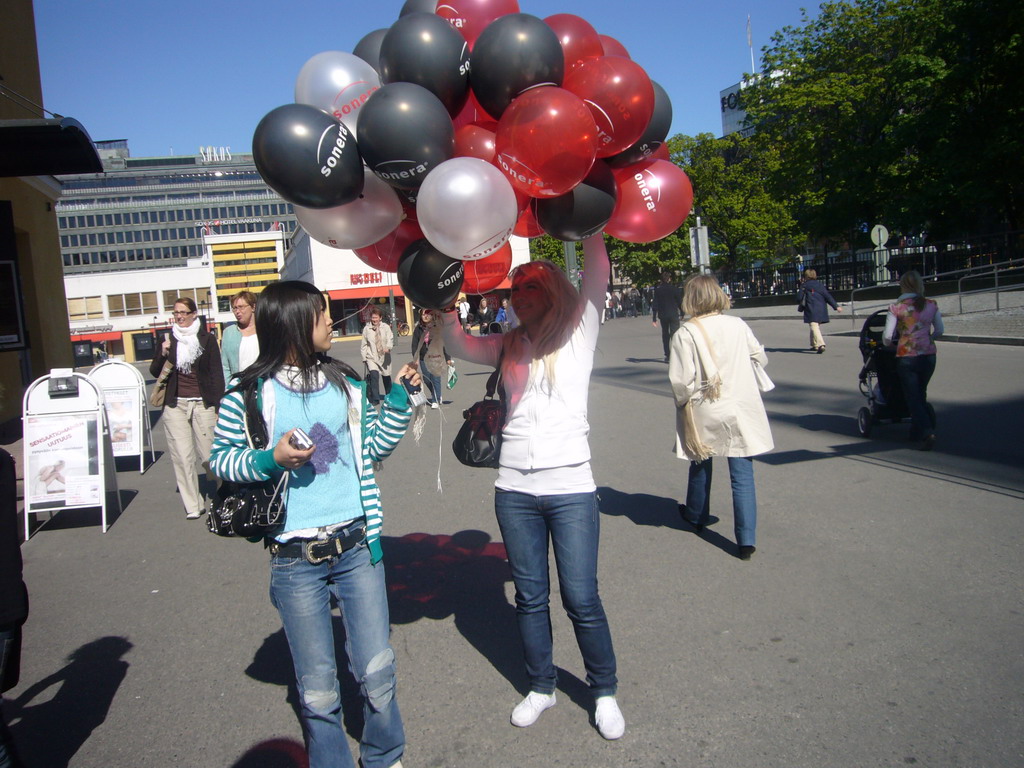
(317,550)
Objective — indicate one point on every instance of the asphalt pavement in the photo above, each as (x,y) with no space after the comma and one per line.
(878,624)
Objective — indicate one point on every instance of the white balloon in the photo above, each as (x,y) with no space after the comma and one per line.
(466,208)
(338,83)
(364,221)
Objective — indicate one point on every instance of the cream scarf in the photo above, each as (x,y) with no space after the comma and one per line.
(189,348)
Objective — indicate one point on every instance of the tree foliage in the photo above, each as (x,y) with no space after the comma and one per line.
(906,112)
(746,222)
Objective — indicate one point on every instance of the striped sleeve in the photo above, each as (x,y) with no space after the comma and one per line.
(385,429)
(231,458)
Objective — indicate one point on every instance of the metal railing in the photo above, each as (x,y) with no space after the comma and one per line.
(1011,271)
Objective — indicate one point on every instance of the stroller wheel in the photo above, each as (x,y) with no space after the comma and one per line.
(864,422)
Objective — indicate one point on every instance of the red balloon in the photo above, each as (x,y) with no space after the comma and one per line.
(621,99)
(579,40)
(546,141)
(476,140)
(661,153)
(613,47)
(527,224)
(472,113)
(487,273)
(471,16)
(386,252)
(655,197)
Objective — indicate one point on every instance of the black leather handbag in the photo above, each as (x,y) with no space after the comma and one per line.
(478,443)
(249,510)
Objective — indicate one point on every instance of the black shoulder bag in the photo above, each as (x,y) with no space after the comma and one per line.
(478,443)
(249,510)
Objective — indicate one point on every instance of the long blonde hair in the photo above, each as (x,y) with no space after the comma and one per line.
(911,282)
(554,327)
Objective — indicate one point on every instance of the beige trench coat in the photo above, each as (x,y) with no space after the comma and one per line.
(368,349)
(736,423)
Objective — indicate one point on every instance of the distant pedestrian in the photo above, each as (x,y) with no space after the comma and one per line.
(912,324)
(239,344)
(193,394)
(814,299)
(375,351)
(713,357)
(421,338)
(484,316)
(463,307)
(666,301)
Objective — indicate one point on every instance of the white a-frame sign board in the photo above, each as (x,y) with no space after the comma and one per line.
(124,399)
(66,446)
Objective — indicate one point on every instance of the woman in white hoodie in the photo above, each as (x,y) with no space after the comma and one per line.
(545,489)
(711,362)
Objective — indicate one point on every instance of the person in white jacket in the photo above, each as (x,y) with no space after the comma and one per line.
(711,362)
(545,489)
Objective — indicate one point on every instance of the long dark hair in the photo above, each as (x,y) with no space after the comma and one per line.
(285,316)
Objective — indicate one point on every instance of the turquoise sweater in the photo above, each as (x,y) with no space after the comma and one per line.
(374,436)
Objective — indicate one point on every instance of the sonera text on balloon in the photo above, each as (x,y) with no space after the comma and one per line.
(336,150)
(645,191)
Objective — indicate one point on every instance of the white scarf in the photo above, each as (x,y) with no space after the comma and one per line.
(189,348)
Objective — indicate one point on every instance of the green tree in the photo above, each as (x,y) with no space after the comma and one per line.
(642,263)
(746,222)
(881,110)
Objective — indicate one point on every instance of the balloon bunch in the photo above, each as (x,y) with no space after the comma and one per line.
(433,142)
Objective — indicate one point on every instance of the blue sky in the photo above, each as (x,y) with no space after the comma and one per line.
(173,75)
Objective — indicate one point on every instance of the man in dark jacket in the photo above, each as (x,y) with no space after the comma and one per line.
(13,599)
(667,299)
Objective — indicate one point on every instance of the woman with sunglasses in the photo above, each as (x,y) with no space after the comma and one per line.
(194,389)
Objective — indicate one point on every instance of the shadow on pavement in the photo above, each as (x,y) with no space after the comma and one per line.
(274,753)
(433,576)
(657,511)
(51,732)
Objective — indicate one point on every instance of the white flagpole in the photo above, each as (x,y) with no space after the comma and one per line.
(750,45)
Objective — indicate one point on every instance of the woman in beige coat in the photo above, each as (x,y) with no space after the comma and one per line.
(711,362)
(375,350)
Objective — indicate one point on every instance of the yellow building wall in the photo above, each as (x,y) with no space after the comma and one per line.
(35,224)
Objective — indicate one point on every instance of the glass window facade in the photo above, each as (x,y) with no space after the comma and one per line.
(152,212)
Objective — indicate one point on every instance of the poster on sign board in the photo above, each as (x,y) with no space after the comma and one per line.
(123,414)
(62,461)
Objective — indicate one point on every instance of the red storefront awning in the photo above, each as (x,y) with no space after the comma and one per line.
(366,292)
(105,336)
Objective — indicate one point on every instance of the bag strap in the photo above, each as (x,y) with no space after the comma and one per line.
(494,380)
(707,341)
(255,425)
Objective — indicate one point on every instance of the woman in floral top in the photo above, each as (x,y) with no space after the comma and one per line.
(912,324)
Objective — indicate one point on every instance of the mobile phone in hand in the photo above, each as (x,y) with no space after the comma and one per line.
(416,396)
(300,440)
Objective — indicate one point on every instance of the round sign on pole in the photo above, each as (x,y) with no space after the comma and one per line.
(879,235)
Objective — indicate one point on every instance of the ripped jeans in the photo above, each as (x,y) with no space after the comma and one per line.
(301,592)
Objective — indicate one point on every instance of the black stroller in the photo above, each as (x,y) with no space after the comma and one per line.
(878,380)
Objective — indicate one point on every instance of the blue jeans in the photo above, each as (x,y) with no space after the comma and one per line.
(915,373)
(744,499)
(572,523)
(301,592)
(433,385)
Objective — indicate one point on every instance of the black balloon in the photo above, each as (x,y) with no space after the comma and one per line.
(513,53)
(428,277)
(307,157)
(654,134)
(584,211)
(417,6)
(368,49)
(404,133)
(425,49)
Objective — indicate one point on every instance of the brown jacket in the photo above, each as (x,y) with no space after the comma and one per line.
(207,367)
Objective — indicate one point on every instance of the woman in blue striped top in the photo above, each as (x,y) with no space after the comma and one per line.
(329,543)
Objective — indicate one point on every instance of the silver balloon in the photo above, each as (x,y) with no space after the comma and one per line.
(338,83)
(466,208)
(364,221)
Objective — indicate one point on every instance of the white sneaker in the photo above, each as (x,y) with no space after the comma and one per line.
(433,404)
(608,718)
(193,515)
(528,710)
